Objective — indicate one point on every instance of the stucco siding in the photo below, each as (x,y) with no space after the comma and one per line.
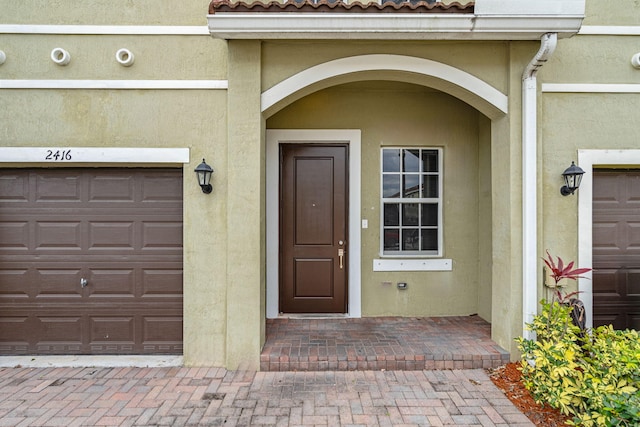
(94,57)
(593,59)
(105,12)
(622,12)
(487,61)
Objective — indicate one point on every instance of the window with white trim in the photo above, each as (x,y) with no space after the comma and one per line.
(411,202)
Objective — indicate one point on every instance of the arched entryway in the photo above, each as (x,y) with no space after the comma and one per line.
(398,101)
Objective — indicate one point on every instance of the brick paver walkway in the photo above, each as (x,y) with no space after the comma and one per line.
(216,397)
(375,343)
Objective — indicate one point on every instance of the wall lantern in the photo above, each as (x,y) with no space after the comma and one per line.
(204,172)
(572,178)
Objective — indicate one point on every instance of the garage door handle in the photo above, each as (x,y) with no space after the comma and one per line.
(83,282)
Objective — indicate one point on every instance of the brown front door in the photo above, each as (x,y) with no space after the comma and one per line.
(313,228)
(616,248)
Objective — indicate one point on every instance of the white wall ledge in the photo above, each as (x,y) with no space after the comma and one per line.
(115,84)
(590,88)
(159,30)
(405,264)
(60,155)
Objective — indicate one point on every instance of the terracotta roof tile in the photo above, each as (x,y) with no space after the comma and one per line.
(327,6)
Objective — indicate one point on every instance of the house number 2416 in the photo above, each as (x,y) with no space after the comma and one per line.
(58,155)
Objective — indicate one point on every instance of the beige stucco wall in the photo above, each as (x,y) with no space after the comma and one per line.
(620,12)
(161,57)
(105,12)
(485,60)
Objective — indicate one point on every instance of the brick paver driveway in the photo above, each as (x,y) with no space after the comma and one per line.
(216,397)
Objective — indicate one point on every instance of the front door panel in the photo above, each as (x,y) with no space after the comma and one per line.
(313,228)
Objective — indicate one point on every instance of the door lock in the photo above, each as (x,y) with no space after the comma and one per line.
(84,282)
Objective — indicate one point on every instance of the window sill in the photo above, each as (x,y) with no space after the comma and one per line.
(440,264)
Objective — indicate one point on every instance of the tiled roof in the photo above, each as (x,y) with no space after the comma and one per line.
(325,6)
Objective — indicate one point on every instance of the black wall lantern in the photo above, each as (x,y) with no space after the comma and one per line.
(204,172)
(572,178)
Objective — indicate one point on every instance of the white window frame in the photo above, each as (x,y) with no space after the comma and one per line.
(413,254)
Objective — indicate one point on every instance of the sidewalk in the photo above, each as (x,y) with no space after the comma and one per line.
(175,396)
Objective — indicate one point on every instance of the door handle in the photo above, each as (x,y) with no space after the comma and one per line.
(341,257)
(84,282)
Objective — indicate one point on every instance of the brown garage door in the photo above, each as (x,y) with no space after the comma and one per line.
(616,248)
(90,261)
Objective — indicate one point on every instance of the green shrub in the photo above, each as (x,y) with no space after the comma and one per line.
(550,368)
(611,378)
(596,380)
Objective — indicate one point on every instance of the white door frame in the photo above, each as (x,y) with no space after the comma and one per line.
(587,159)
(308,136)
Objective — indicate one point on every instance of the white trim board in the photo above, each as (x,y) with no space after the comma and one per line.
(440,264)
(530,22)
(588,160)
(115,84)
(159,30)
(590,88)
(61,155)
(273,139)
(609,30)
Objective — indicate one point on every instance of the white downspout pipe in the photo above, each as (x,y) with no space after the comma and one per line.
(529,181)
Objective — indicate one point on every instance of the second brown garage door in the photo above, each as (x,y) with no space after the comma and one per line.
(616,248)
(91,261)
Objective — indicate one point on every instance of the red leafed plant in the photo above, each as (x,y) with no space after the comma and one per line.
(559,271)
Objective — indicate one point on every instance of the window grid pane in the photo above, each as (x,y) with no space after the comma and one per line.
(411,201)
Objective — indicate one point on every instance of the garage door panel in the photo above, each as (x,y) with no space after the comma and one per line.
(604,234)
(13,283)
(15,236)
(633,235)
(14,187)
(634,321)
(156,330)
(111,235)
(112,330)
(121,229)
(61,329)
(119,283)
(605,282)
(161,235)
(58,282)
(161,283)
(600,319)
(632,186)
(14,330)
(53,186)
(109,188)
(158,188)
(631,284)
(58,235)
